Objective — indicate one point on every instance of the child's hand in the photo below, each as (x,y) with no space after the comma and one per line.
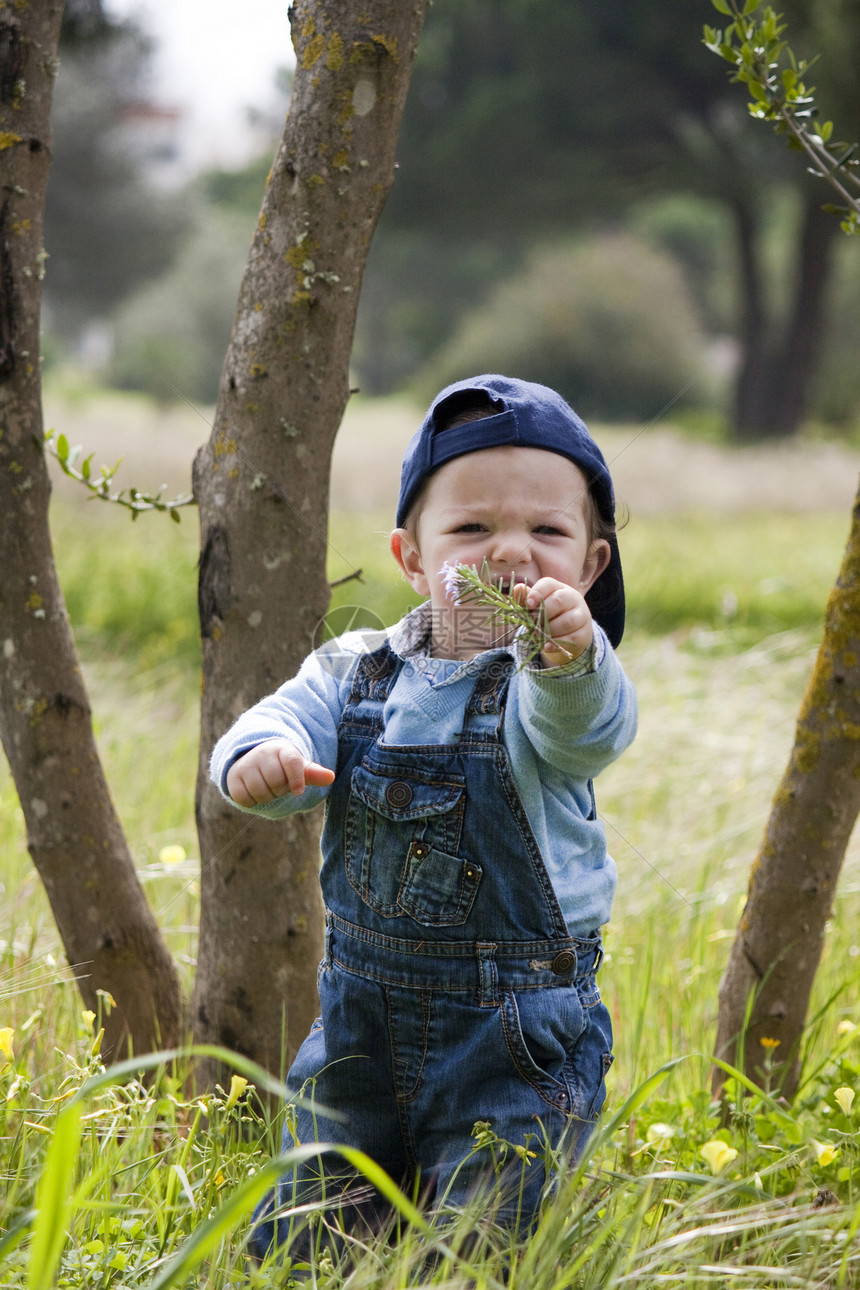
(271,770)
(567,619)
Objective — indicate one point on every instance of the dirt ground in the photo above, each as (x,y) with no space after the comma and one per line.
(656,469)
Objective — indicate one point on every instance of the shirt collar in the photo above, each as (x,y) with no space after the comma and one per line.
(413,633)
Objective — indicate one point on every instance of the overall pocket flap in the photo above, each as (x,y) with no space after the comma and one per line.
(405,796)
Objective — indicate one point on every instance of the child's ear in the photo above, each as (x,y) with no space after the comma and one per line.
(407,555)
(596,562)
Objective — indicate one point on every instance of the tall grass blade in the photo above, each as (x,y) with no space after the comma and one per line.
(209,1234)
(151,1061)
(385,1184)
(53,1199)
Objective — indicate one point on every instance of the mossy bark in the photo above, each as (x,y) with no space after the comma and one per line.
(778,945)
(108,930)
(262,486)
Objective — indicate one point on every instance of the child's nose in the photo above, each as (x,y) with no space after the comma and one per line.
(510,546)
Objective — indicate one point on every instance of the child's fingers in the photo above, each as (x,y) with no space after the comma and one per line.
(271,770)
(249,786)
(318,776)
(564,615)
(568,619)
(298,771)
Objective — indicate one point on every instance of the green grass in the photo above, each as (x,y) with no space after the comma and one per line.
(144,1185)
(131,587)
(743,576)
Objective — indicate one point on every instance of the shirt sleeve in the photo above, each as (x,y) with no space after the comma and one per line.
(306,710)
(580,717)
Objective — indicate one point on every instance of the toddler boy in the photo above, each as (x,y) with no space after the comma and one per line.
(465,874)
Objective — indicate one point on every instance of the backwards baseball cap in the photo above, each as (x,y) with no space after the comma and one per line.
(527,416)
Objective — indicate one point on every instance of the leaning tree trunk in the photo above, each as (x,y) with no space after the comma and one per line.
(779,940)
(77,844)
(262,486)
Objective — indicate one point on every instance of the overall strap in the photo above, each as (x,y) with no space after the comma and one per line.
(487,700)
(373,681)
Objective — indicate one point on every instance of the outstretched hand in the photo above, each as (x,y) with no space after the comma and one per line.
(566,619)
(272,770)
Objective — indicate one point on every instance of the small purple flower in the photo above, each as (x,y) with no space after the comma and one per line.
(452,580)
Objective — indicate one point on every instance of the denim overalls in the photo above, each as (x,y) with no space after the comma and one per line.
(450,989)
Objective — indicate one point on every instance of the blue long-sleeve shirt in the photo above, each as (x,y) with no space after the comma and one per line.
(562,726)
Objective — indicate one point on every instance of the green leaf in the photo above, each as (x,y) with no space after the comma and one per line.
(722,6)
(791,1130)
(751,6)
(62,448)
(52,1199)
(85,465)
(16,1233)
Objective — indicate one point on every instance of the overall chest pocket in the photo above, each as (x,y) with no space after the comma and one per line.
(401,842)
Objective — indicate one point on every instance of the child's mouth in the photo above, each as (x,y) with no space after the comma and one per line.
(507,584)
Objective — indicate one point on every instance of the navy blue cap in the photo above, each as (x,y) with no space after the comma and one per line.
(528,416)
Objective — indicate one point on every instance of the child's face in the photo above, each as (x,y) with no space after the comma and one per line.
(522,510)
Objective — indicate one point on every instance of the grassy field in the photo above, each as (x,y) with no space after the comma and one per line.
(145,1186)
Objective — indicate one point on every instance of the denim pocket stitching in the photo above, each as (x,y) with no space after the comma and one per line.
(589,993)
(450,914)
(553,1091)
(443,826)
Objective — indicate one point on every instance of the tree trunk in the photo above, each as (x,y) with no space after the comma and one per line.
(77,844)
(262,486)
(779,940)
(780,355)
(749,395)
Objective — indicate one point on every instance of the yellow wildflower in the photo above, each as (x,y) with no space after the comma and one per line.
(6,1048)
(718,1154)
(172,854)
(770,1044)
(89,1017)
(846,1027)
(238,1084)
(844,1096)
(825,1154)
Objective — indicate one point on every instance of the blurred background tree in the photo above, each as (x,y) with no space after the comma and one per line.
(525,123)
(582,197)
(108,226)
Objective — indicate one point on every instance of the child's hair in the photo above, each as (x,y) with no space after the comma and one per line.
(475,405)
